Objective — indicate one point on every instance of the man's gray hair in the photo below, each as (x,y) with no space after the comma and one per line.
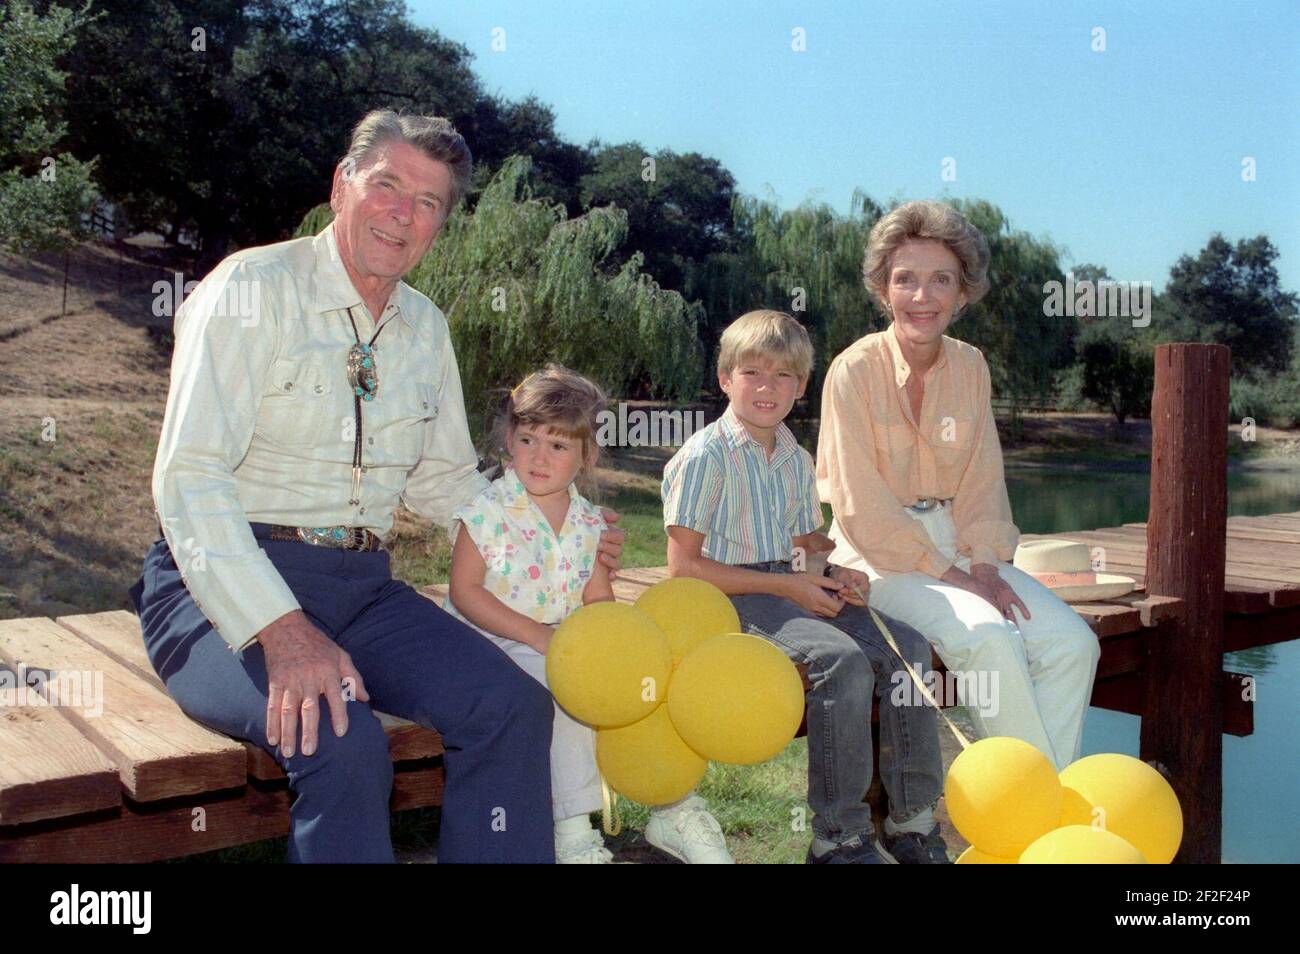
(434,136)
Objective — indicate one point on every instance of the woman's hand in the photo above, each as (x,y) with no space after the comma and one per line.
(985,582)
(1004,597)
(809,590)
(857,585)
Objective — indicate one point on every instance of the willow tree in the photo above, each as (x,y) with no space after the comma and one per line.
(522,284)
(1025,346)
(807,261)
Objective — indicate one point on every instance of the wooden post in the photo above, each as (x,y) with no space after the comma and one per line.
(1182,725)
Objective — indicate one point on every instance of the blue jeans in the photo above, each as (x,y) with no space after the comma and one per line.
(417,662)
(848,661)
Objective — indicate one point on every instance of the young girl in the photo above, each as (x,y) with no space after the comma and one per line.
(524,558)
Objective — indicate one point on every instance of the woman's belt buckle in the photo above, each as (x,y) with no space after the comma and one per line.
(925,504)
(347,538)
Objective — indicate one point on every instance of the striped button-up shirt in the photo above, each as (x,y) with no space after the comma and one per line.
(259,424)
(749,508)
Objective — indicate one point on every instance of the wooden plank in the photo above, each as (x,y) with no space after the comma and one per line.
(141,834)
(1258,565)
(1247,632)
(1107,619)
(159,751)
(1127,693)
(1242,595)
(48,768)
(118,634)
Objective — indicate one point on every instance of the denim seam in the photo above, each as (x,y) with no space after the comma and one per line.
(827,733)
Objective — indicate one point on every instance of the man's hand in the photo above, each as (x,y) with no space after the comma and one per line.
(809,590)
(611,543)
(852,579)
(302,664)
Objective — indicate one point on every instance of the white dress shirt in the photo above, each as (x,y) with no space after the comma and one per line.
(259,422)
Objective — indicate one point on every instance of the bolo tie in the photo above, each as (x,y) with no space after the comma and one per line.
(363,374)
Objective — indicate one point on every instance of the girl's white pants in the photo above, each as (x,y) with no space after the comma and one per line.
(575,779)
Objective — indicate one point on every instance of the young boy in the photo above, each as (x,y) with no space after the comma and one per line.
(740,502)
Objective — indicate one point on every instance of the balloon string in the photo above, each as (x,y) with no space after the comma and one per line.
(925,692)
(609,819)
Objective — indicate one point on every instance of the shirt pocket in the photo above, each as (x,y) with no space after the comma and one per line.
(953,433)
(902,438)
(298,407)
(400,438)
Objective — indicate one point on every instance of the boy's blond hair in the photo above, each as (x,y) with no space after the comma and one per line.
(766,333)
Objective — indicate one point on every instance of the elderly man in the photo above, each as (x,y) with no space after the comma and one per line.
(311,390)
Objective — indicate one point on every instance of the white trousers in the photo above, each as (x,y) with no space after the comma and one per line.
(575,779)
(1041,670)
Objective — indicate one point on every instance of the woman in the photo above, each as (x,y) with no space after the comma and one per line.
(909,459)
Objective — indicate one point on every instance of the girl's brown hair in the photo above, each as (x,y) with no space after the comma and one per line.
(562,401)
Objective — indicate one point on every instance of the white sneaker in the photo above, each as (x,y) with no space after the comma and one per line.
(582,848)
(689,833)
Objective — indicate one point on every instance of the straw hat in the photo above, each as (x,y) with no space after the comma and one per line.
(1065,567)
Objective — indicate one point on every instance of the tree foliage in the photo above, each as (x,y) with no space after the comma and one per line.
(522,284)
(44,192)
(1231,295)
(227,119)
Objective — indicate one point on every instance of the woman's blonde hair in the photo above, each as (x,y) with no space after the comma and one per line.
(562,401)
(766,334)
(926,221)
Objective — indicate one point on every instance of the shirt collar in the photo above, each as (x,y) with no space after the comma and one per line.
(902,370)
(333,289)
(515,497)
(736,435)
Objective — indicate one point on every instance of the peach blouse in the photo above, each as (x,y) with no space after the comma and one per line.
(873,458)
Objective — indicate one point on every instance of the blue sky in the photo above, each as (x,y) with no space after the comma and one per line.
(1126,158)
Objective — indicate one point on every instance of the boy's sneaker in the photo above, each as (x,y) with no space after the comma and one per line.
(853,851)
(913,848)
(582,848)
(689,833)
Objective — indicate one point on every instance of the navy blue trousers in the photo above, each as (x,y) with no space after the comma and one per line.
(417,662)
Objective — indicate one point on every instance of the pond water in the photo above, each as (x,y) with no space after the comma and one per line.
(1261,773)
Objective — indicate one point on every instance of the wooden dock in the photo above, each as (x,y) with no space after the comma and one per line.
(138,780)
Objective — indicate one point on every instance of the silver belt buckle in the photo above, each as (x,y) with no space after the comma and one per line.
(340,537)
(925,504)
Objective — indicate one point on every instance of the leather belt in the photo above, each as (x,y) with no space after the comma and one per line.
(343,538)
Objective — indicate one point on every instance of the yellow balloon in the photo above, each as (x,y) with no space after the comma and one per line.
(1075,809)
(973,856)
(689,611)
(1002,794)
(608,665)
(1081,845)
(647,761)
(1136,802)
(736,698)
